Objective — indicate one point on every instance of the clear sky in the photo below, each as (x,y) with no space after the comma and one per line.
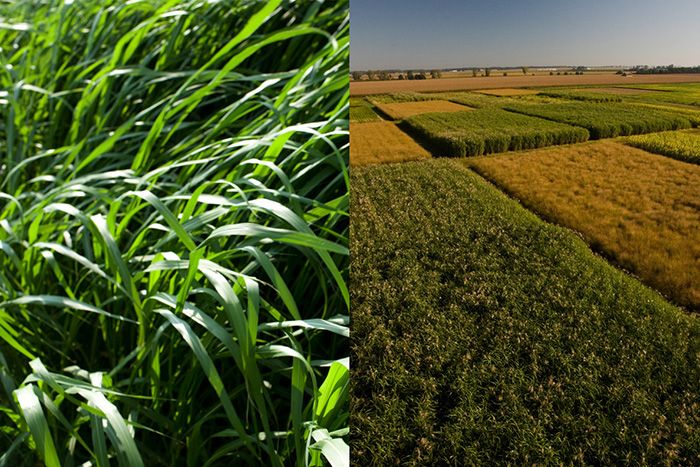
(405,34)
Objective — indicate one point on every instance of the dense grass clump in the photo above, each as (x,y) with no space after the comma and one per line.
(484,336)
(486,131)
(681,145)
(173,233)
(605,120)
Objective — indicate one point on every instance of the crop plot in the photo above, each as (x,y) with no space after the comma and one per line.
(381,142)
(582,95)
(641,209)
(508,92)
(681,145)
(605,120)
(485,131)
(484,334)
(472,99)
(684,94)
(403,110)
(399,97)
(363,113)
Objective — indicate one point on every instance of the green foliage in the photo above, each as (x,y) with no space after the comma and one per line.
(173,232)
(400,97)
(363,114)
(681,145)
(680,93)
(485,336)
(487,131)
(576,95)
(605,120)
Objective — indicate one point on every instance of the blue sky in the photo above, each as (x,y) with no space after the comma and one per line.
(406,34)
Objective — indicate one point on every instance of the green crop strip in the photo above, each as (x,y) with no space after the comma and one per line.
(681,145)
(606,120)
(489,130)
(173,233)
(485,336)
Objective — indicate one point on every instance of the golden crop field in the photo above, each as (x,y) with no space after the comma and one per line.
(508,92)
(640,209)
(402,110)
(359,88)
(381,142)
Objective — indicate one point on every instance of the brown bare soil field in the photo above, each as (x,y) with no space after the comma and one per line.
(382,142)
(401,110)
(508,92)
(358,88)
(640,209)
(621,91)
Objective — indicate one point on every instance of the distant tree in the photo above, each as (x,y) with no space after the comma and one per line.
(566,72)
(401,76)
(558,73)
(370,75)
(357,75)
(383,75)
(410,75)
(420,75)
(505,73)
(487,71)
(525,70)
(551,73)
(475,72)
(435,74)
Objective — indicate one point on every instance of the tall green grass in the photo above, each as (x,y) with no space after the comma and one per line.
(173,233)
(606,120)
(485,336)
(488,130)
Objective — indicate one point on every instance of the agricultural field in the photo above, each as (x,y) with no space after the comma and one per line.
(508,92)
(606,120)
(682,145)
(382,142)
(174,233)
(472,99)
(363,88)
(396,97)
(684,94)
(488,130)
(640,209)
(485,336)
(403,110)
(590,95)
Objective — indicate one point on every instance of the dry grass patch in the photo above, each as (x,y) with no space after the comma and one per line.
(381,142)
(508,92)
(641,209)
(402,110)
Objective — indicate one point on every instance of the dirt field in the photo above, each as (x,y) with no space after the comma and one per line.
(641,209)
(456,84)
(401,110)
(381,142)
(508,92)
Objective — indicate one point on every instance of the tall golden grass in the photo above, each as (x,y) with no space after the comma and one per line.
(401,110)
(381,142)
(640,209)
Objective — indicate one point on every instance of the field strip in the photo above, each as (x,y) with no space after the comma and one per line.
(382,142)
(508,92)
(482,333)
(402,110)
(640,209)
(359,88)
(682,145)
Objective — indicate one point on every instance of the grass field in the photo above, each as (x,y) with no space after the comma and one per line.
(363,113)
(381,142)
(484,336)
(508,92)
(174,233)
(403,110)
(686,94)
(490,130)
(472,99)
(361,88)
(605,120)
(641,209)
(681,145)
(582,95)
